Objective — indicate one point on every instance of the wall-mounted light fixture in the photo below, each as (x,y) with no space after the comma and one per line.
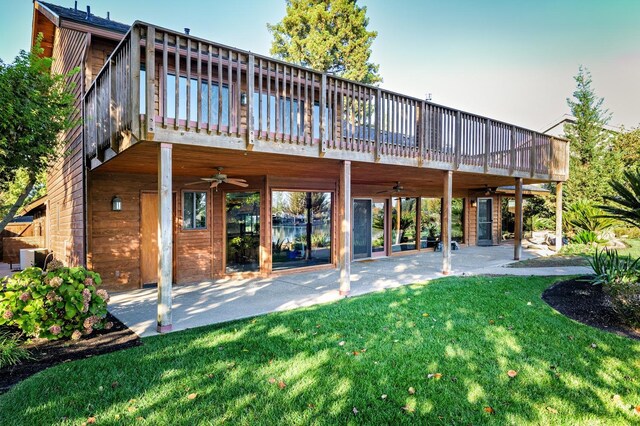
(473,202)
(243,98)
(116,204)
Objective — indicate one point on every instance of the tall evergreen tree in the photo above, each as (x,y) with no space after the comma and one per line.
(329,36)
(592,162)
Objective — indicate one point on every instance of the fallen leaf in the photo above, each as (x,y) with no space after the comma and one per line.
(489,409)
(91,420)
(411,390)
(408,409)
(425,315)
(312,406)
(139,418)
(500,316)
(211,376)
(552,410)
(512,373)
(384,396)
(637,409)
(341,343)
(454,379)
(436,376)
(192,396)
(131,409)
(492,322)
(570,337)
(114,385)
(529,303)
(356,353)
(355,411)
(282,384)
(272,380)
(593,346)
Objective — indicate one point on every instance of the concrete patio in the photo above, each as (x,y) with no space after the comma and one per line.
(223,300)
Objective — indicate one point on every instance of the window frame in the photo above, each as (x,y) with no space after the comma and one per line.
(206,211)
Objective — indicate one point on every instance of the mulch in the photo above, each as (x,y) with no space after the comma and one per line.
(47,353)
(584,302)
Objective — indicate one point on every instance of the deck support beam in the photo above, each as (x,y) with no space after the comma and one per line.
(344,218)
(165,238)
(446,222)
(558,216)
(517,244)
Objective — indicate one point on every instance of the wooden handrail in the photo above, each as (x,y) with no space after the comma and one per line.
(304,107)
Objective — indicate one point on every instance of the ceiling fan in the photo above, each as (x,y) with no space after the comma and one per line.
(396,189)
(488,190)
(219,178)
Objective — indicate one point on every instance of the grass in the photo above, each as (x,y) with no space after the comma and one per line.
(292,367)
(11,351)
(633,248)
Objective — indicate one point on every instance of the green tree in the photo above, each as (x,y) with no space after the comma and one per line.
(592,162)
(36,106)
(327,35)
(627,144)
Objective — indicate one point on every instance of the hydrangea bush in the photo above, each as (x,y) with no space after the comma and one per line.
(56,303)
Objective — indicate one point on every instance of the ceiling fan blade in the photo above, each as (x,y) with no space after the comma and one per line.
(194,183)
(238,182)
(214,184)
(386,191)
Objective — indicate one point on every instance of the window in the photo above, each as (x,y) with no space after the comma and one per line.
(194,210)
(403,231)
(243,231)
(301,229)
(207,89)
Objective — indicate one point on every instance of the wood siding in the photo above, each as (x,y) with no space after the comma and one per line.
(65,186)
(115,238)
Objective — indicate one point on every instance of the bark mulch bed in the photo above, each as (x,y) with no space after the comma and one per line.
(47,353)
(586,303)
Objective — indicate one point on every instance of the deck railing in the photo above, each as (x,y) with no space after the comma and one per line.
(160,80)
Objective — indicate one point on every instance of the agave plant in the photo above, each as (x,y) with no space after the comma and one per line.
(584,215)
(625,204)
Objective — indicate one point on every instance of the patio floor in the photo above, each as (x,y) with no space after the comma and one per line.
(223,300)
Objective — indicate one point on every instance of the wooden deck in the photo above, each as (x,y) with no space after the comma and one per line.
(232,99)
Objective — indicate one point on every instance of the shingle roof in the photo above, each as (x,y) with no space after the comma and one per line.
(80,16)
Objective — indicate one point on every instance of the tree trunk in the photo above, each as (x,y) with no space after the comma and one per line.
(14,209)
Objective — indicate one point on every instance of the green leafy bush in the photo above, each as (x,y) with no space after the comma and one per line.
(60,302)
(587,237)
(11,352)
(584,215)
(620,278)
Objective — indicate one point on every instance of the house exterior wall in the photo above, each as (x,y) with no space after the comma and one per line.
(65,187)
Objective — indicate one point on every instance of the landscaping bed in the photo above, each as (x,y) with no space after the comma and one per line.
(556,261)
(584,302)
(47,353)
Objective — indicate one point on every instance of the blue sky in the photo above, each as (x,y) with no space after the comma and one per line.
(510,60)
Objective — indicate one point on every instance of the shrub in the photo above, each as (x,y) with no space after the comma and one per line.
(587,237)
(584,215)
(60,302)
(11,352)
(620,278)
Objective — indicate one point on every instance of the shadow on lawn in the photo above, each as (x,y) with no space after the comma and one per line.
(291,368)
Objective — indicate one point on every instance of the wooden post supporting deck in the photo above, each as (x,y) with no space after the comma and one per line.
(517,246)
(165,238)
(344,218)
(558,216)
(446,222)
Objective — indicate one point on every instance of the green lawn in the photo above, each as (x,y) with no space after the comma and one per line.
(633,249)
(313,366)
